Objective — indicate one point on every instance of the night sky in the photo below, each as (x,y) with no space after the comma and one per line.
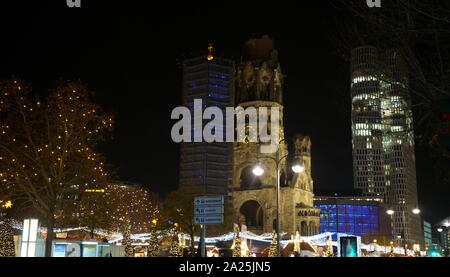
(129,52)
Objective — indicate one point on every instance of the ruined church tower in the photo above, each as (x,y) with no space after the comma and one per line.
(259,84)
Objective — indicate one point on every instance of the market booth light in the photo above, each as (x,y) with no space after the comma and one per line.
(29,237)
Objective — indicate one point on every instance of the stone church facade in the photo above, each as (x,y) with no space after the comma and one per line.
(259,84)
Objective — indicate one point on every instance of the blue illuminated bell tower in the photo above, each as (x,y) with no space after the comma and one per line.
(207,167)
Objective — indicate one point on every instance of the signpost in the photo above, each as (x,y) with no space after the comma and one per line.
(209,220)
(208,210)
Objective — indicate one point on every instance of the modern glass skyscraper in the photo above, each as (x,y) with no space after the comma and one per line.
(206,167)
(383,137)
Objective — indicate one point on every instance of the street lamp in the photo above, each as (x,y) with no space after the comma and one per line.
(297,166)
(440,230)
(392,246)
(390,212)
(258,170)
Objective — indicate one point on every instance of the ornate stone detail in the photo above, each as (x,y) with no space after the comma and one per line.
(259,75)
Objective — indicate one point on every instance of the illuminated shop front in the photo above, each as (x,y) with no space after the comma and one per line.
(359,216)
(89,249)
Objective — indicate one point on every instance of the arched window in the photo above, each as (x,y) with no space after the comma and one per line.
(253,213)
(303,228)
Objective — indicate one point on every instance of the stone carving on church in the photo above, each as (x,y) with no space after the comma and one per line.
(260,78)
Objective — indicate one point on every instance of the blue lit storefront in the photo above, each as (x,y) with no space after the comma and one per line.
(78,248)
(357,216)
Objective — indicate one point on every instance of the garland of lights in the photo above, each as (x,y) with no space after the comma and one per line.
(317,240)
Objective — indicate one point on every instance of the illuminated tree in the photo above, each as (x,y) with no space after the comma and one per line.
(153,248)
(175,249)
(273,246)
(95,212)
(47,146)
(127,243)
(6,239)
(329,252)
(132,205)
(114,208)
(237,251)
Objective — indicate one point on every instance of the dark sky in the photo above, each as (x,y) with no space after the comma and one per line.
(129,53)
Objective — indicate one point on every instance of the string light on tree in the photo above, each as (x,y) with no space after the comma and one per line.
(175,249)
(7,248)
(273,245)
(237,251)
(126,242)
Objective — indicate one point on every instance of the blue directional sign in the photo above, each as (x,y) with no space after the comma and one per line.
(208,220)
(208,210)
(208,200)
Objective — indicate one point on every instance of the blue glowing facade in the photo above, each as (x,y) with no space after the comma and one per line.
(359,216)
(206,167)
(349,219)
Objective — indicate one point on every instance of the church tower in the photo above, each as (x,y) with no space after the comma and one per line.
(259,84)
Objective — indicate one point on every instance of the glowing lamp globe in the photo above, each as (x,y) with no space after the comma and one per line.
(298,167)
(258,170)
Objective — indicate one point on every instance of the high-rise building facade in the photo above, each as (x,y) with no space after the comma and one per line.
(443,228)
(383,137)
(428,234)
(206,167)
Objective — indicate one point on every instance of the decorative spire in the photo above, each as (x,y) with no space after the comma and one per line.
(210,54)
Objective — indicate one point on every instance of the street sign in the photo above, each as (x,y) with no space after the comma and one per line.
(208,220)
(208,210)
(208,200)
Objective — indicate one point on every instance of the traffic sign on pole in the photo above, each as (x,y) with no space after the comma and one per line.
(208,210)
(208,220)
(208,200)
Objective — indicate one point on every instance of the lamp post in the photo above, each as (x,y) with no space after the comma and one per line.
(258,170)
(391,212)
(392,246)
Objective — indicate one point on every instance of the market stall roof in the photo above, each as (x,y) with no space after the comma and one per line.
(304,246)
